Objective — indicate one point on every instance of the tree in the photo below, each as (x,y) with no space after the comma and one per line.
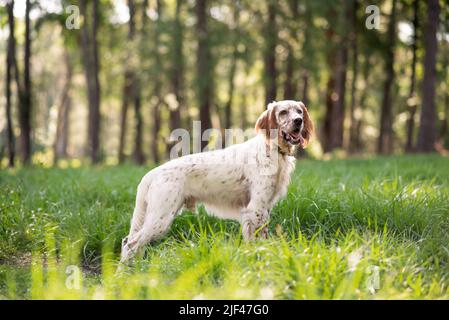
(177,72)
(157,84)
(289,84)
(128,82)
(89,47)
(411,102)
(9,69)
(385,142)
(233,66)
(338,109)
(270,74)
(62,122)
(204,64)
(25,104)
(354,47)
(427,130)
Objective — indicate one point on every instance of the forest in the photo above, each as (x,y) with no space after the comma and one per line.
(91,91)
(107,81)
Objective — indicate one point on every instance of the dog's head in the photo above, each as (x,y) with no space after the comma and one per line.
(289,120)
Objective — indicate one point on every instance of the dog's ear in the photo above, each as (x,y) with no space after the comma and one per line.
(308,128)
(267,120)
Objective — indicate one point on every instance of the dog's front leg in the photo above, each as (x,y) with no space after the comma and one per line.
(255,216)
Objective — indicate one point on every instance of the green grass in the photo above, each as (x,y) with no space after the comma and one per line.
(353,229)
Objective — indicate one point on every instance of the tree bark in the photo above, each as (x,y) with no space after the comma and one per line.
(177,72)
(338,110)
(411,102)
(385,142)
(331,82)
(139,155)
(157,87)
(128,83)
(355,64)
(270,76)
(9,69)
(233,67)
(89,46)
(427,130)
(62,122)
(204,65)
(26,104)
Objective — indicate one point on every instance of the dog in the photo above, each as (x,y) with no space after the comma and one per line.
(241,182)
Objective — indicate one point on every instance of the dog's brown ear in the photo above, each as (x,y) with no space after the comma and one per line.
(267,120)
(308,128)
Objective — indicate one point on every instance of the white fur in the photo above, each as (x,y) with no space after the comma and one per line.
(241,182)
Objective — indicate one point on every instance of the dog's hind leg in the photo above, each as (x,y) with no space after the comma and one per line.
(160,212)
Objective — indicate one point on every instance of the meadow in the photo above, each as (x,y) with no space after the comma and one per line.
(349,229)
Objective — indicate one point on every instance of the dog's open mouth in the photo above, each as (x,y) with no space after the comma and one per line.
(293,137)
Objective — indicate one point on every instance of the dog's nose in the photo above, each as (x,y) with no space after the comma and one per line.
(297,122)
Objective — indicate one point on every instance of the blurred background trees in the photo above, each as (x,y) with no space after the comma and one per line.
(113,83)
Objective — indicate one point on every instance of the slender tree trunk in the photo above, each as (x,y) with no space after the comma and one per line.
(233,67)
(358,144)
(25,106)
(62,122)
(204,65)
(9,69)
(385,142)
(411,102)
(177,72)
(353,39)
(427,130)
(124,115)
(157,86)
(305,88)
(338,110)
(331,82)
(128,84)
(270,76)
(444,122)
(289,91)
(89,48)
(139,155)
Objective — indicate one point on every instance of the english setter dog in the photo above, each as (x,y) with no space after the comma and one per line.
(241,182)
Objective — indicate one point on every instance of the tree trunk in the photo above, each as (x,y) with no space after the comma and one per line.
(157,86)
(338,110)
(128,83)
(9,69)
(385,142)
(177,72)
(233,67)
(444,122)
(353,39)
(204,65)
(139,155)
(25,106)
(289,91)
(330,85)
(270,75)
(427,130)
(411,102)
(89,48)
(358,144)
(62,122)
(305,88)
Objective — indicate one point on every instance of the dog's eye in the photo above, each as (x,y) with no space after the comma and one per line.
(283,113)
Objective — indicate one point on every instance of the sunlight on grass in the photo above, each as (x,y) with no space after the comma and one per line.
(348,229)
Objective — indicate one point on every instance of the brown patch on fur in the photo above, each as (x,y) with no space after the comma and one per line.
(308,129)
(267,121)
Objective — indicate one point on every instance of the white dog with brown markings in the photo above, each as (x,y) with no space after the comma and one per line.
(241,182)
